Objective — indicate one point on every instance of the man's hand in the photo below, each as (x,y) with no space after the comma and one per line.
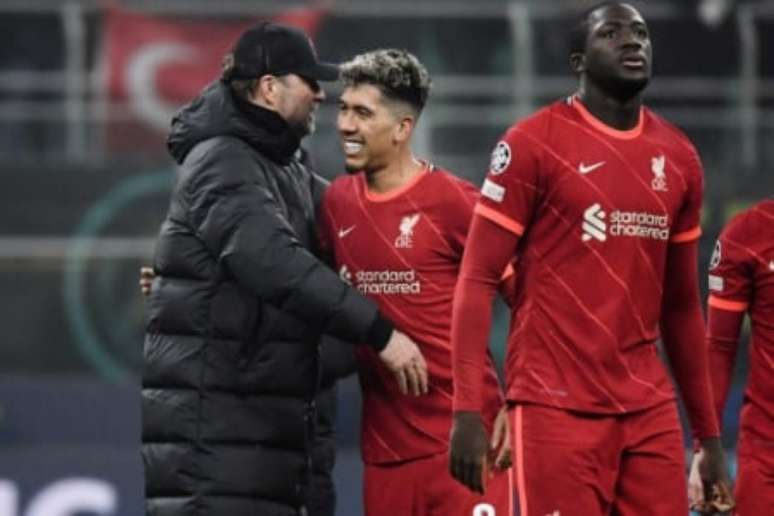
(500,445)
(403,358)
(146,280)
(709,488)
(468,454)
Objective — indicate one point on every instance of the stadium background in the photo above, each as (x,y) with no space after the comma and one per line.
(86,90)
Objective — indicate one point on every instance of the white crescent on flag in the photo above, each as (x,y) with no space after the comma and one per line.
(155,64)
(140,79)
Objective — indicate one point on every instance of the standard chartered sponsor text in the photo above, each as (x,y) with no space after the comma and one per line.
(639,224)
(388,282)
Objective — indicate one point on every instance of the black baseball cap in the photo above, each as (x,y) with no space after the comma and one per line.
(276,49)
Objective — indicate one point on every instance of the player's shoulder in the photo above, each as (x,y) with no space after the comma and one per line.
(447,185)
(530,135)
(750,223)
(669,133)
(538,124)
(442,176)
(343,182)
(341,187)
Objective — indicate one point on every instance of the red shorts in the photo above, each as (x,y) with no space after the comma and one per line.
(754,491)
(572,464)
(424,487)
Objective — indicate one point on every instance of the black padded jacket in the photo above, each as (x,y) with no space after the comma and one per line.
(234,320)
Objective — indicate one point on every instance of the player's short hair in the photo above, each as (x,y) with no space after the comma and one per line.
(398,74)
(580,29)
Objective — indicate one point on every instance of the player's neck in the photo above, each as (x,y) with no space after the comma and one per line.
(616,113)
(394,175)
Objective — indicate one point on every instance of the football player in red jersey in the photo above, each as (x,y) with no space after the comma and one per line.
(396,227)
(741,280)
(599,198)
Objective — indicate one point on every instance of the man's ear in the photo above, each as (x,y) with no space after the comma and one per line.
(265,90)
(578,62)
(404,129)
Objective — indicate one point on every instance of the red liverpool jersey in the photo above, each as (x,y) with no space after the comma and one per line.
(741,279)
(596,209)
(403,250)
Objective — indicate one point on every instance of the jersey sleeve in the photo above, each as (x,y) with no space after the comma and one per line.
(687,224)
(489,249)
(731,271)
(510,193)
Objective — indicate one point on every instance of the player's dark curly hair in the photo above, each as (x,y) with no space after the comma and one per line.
(580,29)
(397,73)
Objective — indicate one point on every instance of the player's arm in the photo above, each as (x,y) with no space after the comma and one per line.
(489,249)
(724,324)
(731,278)
(723,328)
(457,224)
(682,331)
(730,284)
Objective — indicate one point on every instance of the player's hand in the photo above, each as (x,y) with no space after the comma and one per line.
(709,487)
(468,454)
(695,487)
(403,358)
(146,280)
(500,444)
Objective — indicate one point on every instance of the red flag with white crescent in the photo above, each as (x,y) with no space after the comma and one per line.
(155,64)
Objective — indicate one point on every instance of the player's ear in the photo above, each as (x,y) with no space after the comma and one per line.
(404,128)
(578,62)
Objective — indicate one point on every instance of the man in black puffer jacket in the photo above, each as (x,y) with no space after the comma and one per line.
(240,302)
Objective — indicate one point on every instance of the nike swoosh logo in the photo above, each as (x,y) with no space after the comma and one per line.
(585,169)
(344,232)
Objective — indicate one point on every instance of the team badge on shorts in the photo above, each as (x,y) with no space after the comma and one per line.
(501,158)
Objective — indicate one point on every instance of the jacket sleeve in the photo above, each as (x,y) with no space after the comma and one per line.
(337,359)
(318,186)
(242,224)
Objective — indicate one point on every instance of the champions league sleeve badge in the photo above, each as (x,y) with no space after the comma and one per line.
(716,256)
(501,158)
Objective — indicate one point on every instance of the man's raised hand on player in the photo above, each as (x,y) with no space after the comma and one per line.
(146,280)
(500,444)
(403,358)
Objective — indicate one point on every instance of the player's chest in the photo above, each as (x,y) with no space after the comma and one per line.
(398,234)
(622,179)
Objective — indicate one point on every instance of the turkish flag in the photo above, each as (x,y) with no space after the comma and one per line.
(156,64)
